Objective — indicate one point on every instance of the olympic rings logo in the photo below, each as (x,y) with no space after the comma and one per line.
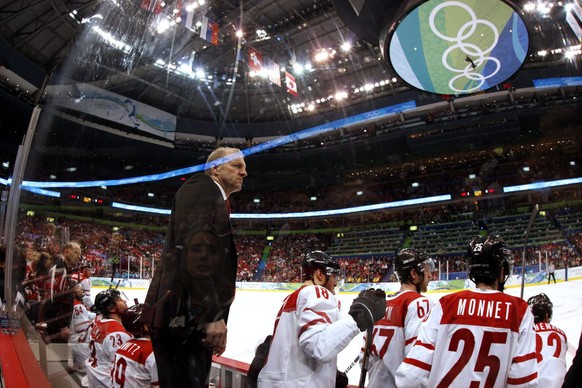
(475,54)
(371,115)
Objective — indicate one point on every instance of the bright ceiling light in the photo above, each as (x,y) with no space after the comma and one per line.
(163,26)
(186,69)
(239,33)
(346,46)
(341,95)
(321,56)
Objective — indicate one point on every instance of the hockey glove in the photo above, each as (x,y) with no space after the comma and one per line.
(259,361)
(368,307)
(341,380)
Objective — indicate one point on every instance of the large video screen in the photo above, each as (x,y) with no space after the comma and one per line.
(458,47)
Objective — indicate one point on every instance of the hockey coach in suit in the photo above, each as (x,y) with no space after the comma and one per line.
(193,287)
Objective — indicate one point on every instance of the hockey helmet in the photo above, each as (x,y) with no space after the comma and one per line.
(486,256)
(105,300)
(131,319)
(319,260)
(541,306)
(410,258)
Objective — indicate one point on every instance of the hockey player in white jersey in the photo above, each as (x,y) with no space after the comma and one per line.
(551,343)
(135,364)
(106,336)
(394,334)
(479,337)
(79,329)
(82,276)
(310,330)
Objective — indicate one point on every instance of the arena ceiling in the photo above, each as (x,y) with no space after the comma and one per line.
(133,48)
(143,51)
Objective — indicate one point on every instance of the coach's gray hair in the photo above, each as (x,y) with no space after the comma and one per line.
(218,153)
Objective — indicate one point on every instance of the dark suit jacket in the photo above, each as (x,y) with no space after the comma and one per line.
(194,283)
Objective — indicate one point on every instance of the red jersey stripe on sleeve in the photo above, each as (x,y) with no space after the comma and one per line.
(321,314)
(418,363)
(525,357)
(424,345)
(312,323)
(522,380)
(409,341)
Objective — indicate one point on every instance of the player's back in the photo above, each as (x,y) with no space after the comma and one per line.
(135,365)
(106,336)
(473,337)
(551,346)
(394,335)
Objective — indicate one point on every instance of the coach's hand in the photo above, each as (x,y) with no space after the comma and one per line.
(215,336)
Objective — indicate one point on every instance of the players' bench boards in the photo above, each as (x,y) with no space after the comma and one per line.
(232,373)
(20,367)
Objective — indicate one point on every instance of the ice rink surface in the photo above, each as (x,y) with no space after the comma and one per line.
(253,314)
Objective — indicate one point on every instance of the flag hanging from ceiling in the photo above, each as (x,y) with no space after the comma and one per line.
(255,60)
(291,85)
(209,30)
(187,19)
(273,72)
(154,6)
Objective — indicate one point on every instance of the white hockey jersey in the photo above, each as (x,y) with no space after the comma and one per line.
(107,335)
(309,334)
(79,334)
(481,338)
(394,335)
(80,320)
(551,346)
(135,365)
(85,283)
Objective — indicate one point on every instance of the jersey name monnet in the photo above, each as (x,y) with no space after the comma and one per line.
(473,337)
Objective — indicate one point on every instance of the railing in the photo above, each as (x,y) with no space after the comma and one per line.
(228,373)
